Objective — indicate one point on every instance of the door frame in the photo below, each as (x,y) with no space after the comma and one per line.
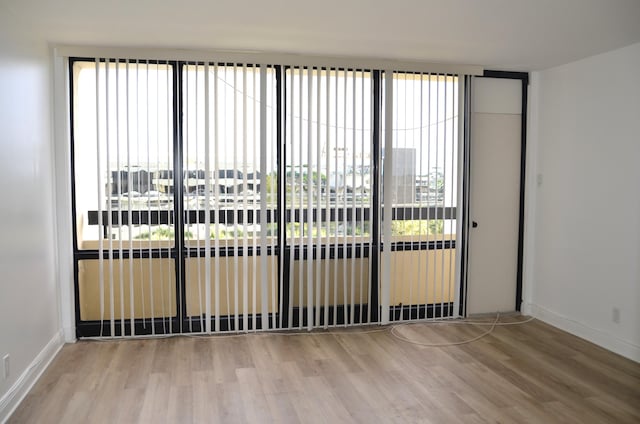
(464,275)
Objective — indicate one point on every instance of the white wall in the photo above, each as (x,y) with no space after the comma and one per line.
(586,130)
(29,318)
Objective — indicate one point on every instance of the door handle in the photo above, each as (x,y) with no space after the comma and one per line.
(474,224)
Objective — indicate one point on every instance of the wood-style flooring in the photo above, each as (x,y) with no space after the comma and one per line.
(528,373)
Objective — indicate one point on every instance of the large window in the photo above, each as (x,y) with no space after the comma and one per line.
(234,197)
(123,150)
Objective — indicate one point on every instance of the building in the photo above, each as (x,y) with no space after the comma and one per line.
(581,250)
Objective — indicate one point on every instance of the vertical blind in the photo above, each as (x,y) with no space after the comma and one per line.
(123,125)
(328,141)
(420,196)
(230,165)
(213,197)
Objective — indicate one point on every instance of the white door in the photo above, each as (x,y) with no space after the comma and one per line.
(494,198)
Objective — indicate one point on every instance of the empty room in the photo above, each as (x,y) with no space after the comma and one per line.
(320,212)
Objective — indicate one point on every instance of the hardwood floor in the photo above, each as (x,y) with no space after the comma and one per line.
(528,373)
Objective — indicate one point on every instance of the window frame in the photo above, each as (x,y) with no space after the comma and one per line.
(179,252)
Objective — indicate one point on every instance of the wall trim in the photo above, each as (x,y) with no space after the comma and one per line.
(19,390)
(530,192)
(62,195)
(69,334)
(265,58)
(597,336)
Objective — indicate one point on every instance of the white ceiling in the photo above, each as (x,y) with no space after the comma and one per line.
(500,34)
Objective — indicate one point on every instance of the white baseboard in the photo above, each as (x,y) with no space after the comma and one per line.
(525,309)
(10,400)
(69,335)
(600,337)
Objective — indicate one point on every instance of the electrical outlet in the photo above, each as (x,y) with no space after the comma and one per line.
(5,367)
(615,315)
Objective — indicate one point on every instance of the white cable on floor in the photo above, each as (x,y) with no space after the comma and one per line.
(395,334)
(318,332)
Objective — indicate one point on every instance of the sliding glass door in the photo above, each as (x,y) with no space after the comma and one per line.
(230,196)
(420,172)
(328,196)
